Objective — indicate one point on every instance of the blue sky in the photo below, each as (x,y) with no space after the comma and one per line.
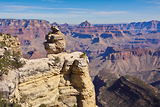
(77,11)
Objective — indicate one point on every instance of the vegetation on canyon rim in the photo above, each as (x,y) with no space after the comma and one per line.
(7,103)
(9,61)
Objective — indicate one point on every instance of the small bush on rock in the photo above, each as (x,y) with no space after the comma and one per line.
(57,59)
(6,103)
(8,62)
(75,105)
(42,105)
(49,32)
(83,55)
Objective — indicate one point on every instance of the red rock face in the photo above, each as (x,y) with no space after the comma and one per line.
(31,29)
(143,27)
(102,35)
(126,54)
(25,29)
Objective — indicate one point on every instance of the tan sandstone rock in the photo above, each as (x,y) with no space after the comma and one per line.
(60,80)
(12,43)
(55,41)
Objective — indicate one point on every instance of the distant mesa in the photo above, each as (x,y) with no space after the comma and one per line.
(113,32)
(85,24)
(144,27)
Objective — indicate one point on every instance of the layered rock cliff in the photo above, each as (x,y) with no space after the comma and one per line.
(126,91)
(126,61)
(61,79)
(143,27)
(82,37)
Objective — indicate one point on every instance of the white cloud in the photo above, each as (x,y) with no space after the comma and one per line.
(58,1)
(109,13)
(36,15)
(21,8)
(153,1)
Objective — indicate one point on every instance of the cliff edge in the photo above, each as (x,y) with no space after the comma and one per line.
(60,80)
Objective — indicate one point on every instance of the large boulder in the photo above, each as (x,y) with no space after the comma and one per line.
(55,41)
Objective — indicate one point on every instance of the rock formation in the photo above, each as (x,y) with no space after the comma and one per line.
(55,41)
(12,43)
(126,91)
(60,80)
(143,27)
(31,34)
(85,24)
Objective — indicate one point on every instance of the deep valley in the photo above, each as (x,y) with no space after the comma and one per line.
(124,59)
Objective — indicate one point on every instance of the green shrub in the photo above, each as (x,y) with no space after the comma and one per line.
(42,105)
(75,105)
(6,103)
(49,32)
(5,38)
(2,44)
(16,36)
(9,35)
(83,55)
(56,59)
(16,61)
(7,63)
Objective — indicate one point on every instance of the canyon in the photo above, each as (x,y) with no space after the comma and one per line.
(115,50)
(84,36)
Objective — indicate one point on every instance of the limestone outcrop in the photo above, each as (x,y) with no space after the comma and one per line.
(55,41)
(12,43)
(60,80)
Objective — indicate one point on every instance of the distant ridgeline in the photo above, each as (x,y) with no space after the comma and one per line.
(31,34)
